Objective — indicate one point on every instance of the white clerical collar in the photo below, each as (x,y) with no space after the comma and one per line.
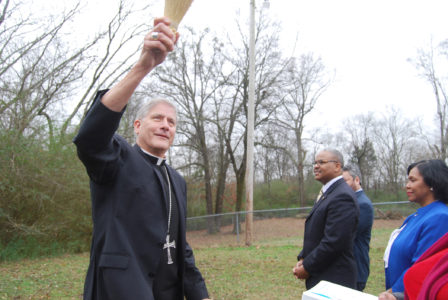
(159,159)
(329,183)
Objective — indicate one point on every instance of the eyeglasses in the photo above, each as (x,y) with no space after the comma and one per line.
(323,162)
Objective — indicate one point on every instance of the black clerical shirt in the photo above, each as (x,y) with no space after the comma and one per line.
(166,281)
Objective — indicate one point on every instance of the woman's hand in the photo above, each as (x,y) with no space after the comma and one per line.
(387,295)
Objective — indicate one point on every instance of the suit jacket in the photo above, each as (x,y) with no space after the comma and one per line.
(129,215)
(329,235)
(363,235)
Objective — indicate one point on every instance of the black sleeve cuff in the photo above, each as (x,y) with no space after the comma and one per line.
(98,127)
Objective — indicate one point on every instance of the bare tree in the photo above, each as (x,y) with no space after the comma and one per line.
(224,110)
(35,73)
(269,64)
(41,72)
(274,161)
(305,81)
(393,142)
(4,11)
(112,46)
(426,64)
(360,129)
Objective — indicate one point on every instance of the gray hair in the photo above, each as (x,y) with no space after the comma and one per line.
(146,108)
(337,155)
(353,171)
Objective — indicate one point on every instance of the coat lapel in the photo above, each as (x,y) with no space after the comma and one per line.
(324,197)
(158,174)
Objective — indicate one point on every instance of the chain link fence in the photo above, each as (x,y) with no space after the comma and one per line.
(383,210)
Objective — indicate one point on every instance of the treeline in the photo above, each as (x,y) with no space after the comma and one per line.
(48,80)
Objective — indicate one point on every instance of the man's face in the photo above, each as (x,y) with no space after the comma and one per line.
(349,180)
(155,132)
(326,167)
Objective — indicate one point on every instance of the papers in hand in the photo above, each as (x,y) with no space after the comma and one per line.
(325,290)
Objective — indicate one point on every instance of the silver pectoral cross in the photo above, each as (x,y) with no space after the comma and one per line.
(167,246)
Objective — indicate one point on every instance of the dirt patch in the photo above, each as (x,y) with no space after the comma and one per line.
(267,229)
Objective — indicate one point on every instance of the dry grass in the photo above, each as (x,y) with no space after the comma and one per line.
(266,231)
(232,271)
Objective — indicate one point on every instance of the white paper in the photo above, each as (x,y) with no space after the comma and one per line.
(325,290)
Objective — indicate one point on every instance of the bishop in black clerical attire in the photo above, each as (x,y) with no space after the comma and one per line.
(139,248)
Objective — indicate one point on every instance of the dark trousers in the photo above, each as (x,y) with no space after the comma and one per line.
(360,286)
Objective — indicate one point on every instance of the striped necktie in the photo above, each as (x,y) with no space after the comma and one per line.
(321,192)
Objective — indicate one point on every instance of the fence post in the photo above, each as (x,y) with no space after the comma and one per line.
(237,227)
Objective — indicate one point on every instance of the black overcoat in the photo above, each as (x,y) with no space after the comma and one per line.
(129,214)
(329,235)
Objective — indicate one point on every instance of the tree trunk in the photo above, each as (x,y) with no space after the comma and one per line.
(240,187)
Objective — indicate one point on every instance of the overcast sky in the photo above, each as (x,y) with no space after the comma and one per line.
(367,43)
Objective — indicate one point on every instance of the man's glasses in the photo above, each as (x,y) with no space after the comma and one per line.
(323,162)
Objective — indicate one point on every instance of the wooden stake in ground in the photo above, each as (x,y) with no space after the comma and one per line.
(175,10)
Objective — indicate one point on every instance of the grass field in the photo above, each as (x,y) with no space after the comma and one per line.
(231,270)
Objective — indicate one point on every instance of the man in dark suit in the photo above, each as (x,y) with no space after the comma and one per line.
(363,231)
(139,248)
(330,227)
